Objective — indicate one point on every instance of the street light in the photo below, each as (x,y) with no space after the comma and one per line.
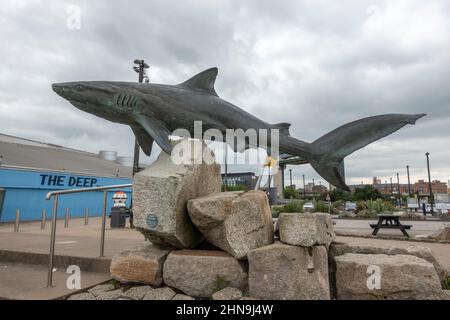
(314,190)
(430,184)
(290,176)
(140,68)
(409,181)
(398,189)
(304,187)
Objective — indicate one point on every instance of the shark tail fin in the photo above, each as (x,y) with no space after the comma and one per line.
(331,149)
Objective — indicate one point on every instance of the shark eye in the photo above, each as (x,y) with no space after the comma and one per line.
(79,87)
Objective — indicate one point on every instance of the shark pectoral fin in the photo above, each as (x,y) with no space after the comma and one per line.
(333,172)
(157,131)
(144,139)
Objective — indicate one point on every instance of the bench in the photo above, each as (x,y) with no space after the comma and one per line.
(389,221)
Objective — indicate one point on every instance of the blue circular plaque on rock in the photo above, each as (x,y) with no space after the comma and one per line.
(152,221)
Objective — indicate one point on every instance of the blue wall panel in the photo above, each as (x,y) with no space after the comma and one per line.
(26,191)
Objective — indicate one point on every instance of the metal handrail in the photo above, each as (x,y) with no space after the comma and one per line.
(55,195)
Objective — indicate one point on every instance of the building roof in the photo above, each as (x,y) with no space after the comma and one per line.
(24,153)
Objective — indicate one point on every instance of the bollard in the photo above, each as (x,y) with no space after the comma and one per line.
(16,224)
(66,221)
(86,216)
(43,219)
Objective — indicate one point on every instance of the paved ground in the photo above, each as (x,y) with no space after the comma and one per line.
(28,281)
(25,281)
(76,240)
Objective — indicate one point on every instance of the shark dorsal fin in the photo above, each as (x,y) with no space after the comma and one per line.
(204,81)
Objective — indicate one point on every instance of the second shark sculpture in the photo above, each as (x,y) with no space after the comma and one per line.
(154,111)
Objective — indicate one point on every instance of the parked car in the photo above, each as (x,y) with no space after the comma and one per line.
(308,207)
(350,206)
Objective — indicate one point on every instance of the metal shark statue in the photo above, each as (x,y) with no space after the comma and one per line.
(154,111)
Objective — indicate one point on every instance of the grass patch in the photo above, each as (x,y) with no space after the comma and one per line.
(219,284)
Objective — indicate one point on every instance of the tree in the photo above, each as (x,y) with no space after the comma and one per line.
(367,192)
(339,195)
(291,193)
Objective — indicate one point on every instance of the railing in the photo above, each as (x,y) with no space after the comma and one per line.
(55,195)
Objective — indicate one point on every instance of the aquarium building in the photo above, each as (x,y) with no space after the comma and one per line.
(30,169)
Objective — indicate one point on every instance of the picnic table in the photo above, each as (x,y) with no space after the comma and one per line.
(390,221)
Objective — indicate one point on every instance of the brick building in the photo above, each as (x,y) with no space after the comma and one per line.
(423,187)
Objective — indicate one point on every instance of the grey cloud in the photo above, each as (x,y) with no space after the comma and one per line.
(316,64)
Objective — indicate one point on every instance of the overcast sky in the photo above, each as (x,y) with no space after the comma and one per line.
(316,64)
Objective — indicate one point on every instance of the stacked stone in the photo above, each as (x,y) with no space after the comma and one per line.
(177,206)
(297,267)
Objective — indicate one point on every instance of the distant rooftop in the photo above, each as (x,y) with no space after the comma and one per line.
(25,153)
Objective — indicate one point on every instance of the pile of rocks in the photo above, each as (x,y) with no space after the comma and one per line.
(208,244)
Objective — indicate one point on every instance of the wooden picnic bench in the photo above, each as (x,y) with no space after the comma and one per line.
(390,221)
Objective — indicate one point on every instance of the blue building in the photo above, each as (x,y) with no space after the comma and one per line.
(30,169)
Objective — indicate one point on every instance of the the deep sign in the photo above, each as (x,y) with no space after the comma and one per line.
(67,181)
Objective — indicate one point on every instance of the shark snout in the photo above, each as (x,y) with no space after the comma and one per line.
(60,89)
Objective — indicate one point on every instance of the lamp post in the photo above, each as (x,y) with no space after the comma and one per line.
(314,190)
(409,181)
(304,187)
(140,67)
(392,188)
(398,189)
(226,168)
(430,184)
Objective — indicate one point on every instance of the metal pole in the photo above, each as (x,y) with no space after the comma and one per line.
(304,187)
(398,189)
(17,222)
(392,188)
(226,168)
(430,184)
(136,157)
(102,239)
(314,190)
(290,176)
(52,242)
(141,67)
(270,194)
(66,219)
(86,216)
(409,181)
(43,219)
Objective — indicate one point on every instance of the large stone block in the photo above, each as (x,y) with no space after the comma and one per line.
(284,272)
(306,229)
(161,192)
(338,249)
(200,273)
(139,265)
(401,277)
(236,222)
(442,234)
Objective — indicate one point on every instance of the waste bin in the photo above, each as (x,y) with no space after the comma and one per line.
(118,217)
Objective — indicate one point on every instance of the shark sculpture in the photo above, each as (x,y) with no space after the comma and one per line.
(154,111)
